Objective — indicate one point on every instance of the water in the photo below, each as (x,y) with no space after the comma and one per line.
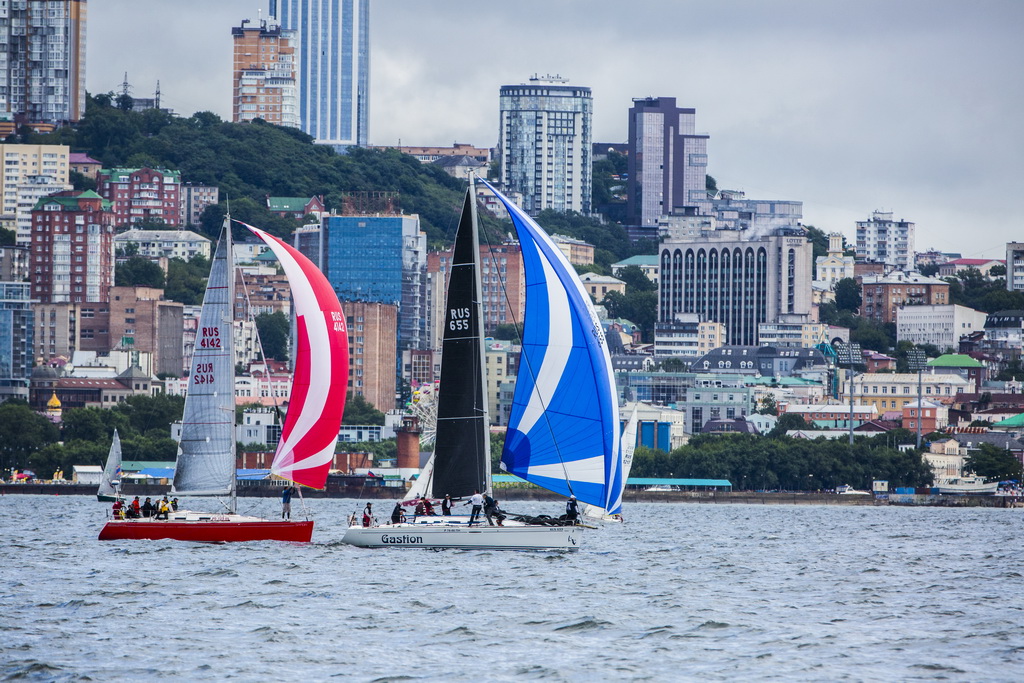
(680,592)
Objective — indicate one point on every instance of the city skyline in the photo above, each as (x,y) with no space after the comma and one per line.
(849,109)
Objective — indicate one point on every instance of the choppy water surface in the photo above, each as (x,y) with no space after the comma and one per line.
(679,592)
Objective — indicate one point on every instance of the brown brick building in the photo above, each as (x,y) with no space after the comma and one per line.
(72,248)
(881,295)
(372,351)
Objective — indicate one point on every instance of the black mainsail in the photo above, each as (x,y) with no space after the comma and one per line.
(462,461)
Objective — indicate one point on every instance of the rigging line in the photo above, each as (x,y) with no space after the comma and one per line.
(526,361)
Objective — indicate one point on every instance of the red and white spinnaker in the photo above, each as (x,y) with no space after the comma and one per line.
(317,397)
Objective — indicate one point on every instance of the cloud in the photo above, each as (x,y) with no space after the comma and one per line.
(912,106)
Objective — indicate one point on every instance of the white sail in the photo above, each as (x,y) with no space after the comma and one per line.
(421,487)
(110,483)
(206,454)
(628,446)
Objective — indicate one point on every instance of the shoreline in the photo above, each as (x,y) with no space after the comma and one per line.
(519,494)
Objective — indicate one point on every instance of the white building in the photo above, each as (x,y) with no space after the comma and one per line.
(939,325)
(30,191)
(883,240)
(792,331)
(182,244)
(22,162)
(835,266)
(1015,266)
(545,144)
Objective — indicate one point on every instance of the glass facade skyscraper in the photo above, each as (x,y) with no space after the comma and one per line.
(332,66)
(380,259)
(545,144)
(667,162)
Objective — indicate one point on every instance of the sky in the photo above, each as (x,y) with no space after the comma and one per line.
(909,106)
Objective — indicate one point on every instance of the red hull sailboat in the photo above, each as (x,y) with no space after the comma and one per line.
(206,456)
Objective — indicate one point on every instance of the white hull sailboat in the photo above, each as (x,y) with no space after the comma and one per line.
(206,463)
(563,428)
(110,484)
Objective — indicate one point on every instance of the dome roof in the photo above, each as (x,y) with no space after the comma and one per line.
(54,402)
(44,372)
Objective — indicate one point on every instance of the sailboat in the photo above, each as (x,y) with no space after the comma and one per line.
(206,457)
(628,446)
(110,482)
(563,429)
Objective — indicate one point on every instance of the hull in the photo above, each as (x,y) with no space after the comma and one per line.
(207,528)
(463,536)
(103,498)
(975,489)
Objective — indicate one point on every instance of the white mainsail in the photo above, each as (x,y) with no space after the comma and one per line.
(206,454)
(110,483)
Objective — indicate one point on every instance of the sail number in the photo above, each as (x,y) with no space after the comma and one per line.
(458,318)
(209,338)
(338,320)
(203,373)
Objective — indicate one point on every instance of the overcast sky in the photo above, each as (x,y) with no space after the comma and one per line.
(913,106)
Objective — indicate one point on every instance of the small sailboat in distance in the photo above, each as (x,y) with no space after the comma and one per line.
(110,481)
(628,446)
(206,457)
(563,431)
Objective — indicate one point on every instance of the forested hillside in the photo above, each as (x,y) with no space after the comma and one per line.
(249,161)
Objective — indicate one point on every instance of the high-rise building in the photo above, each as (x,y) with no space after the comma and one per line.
(1015,266)
(668,162)
(883,240)
(142,195)
(42,61)
(373,357)
(545,144)
(72,249)
(142,320)
(264,74)
(738,280)
(44,166)
(502,282)
(17,339)
(332,65)
(379,259)
(194,200)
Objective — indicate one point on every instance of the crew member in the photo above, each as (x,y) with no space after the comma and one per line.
(477,501)
(572,510)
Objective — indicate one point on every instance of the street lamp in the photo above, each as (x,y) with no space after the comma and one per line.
(917,362)
(849,355)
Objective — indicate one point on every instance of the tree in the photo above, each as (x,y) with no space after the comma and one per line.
(848,297)
(8,238)
(992,462)
(273,329)
(186,280)
(139,271)
(508,332)
(636,280)
(788,422)
(637,307)
(22,432)
(359,411)
(998,270)
(768,406)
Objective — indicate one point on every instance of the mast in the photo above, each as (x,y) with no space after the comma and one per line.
(485,446)
(229,323)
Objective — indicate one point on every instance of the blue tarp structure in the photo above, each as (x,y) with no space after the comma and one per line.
(682,483)
(252,475)
(168,473)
